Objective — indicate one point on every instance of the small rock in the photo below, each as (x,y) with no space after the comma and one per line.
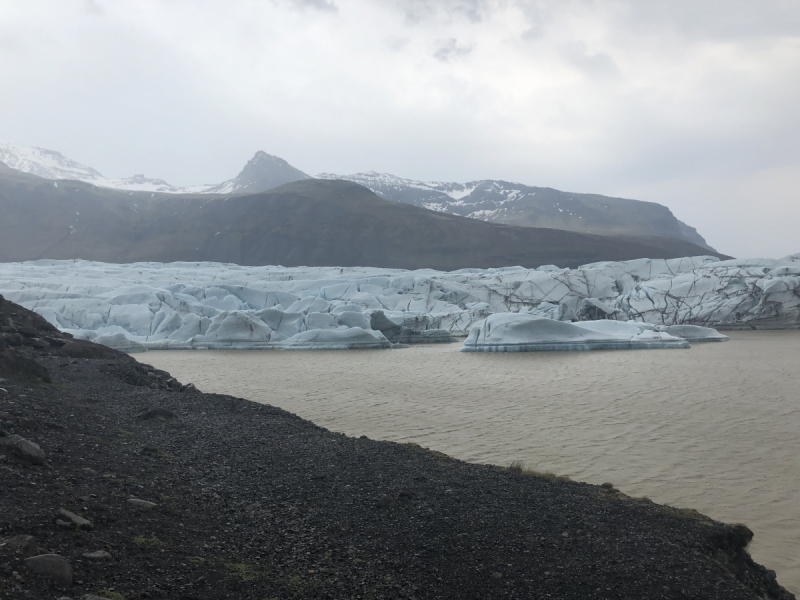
(162,414)
(23,449)
(38,343)
(27,330)
(98,555)
(29,424)
(26,544)
(141,503)
(383,501)
(189,387)
(53,566)
(4,416)
(62,523)
(76,520)
(13,339)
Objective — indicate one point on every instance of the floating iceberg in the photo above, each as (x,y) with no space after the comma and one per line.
(515,332)
(213,305)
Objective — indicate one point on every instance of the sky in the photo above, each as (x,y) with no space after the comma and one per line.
(694,104)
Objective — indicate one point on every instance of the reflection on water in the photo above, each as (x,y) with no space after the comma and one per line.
(715,428)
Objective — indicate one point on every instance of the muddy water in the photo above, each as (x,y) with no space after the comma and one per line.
(715,428)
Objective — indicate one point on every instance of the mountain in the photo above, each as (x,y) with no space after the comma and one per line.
(46,163)
(517,204)
(262,172)
(305,223)
(487,200)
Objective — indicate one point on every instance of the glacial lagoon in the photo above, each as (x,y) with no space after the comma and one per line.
(715,427)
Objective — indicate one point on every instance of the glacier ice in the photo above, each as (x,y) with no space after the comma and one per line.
(213,305)
(521,332)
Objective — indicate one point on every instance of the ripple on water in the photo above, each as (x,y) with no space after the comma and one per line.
(715,428)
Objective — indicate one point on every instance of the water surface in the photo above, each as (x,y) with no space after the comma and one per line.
(715,428)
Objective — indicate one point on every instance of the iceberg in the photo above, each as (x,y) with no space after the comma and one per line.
(515,332)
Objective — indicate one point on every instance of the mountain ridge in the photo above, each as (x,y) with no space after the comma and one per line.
(495,201)
(313,222)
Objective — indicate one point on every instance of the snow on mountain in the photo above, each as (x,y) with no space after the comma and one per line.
(518,204)
(46,163)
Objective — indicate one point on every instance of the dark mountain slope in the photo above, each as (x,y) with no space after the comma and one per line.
(312,222)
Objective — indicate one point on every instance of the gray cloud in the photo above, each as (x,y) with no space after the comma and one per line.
(324,5)
(597,64)
(416,11)
(396,43)
(449,49)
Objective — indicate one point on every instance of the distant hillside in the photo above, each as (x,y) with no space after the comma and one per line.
(311,223)
(516,204)
(487,200)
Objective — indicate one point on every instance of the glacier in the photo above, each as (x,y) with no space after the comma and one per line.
(148,306)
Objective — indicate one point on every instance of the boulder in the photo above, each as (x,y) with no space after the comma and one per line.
(23,449)
(52,566)
(25,544)
(77,520)
(28,331)
(13,339)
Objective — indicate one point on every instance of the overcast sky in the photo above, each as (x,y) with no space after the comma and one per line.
(691,103)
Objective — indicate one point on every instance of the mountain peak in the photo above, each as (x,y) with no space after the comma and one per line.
(262,172)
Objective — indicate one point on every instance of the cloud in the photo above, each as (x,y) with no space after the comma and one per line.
(94,7)
(396,43)
(449,49)
(324,5)
(472,11)
(598,64)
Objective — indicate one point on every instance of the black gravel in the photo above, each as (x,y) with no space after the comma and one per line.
(253,502)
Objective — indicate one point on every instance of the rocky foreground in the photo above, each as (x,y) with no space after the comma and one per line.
(119,482)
